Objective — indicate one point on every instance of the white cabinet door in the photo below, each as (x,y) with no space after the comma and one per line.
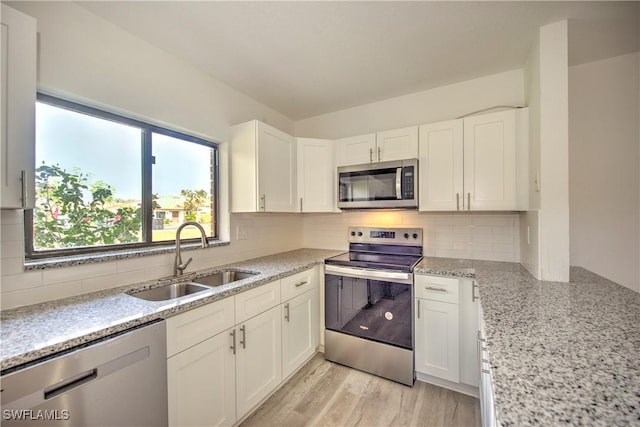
(276,170)
(441,166)
(299,331)
(397,144)
(469,332)
(201,384)
(316,175)
(258,359)
(17,110)
(490,161)
(356,150)
(263,169)
(437,339)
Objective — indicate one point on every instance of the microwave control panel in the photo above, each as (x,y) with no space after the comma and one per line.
(408,177)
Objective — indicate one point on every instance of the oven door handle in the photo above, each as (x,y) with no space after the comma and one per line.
(365,273)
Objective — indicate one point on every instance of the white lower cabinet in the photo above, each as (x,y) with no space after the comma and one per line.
(258,359)
(299,331)
(202,384)
(226,357)
(201,373)
(437,339)
(469,304)
(446,325)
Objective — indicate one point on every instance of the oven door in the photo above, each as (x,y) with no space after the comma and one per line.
(370,304)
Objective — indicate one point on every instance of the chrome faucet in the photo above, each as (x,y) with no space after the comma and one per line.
(178,265)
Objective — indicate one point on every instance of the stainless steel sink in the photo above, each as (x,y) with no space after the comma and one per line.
(220,278)
(175,290)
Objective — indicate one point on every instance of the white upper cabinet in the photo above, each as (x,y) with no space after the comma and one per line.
(441,166)
(396,144)
(356,150)
(490,161)
(17,110)
(316,175)
(479,163)
(263,169)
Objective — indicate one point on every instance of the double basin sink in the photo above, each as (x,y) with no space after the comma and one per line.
(201,284)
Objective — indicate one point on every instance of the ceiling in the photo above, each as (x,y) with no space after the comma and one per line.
(308,58)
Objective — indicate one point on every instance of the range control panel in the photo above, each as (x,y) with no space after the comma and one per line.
(386,236)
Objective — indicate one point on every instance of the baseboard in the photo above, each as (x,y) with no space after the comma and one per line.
(460,388)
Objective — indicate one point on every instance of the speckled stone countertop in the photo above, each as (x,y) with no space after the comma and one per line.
(560,353)
(32,332)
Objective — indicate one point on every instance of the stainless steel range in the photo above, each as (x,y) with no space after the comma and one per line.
(368,302)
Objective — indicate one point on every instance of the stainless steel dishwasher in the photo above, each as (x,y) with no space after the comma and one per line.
(117,381)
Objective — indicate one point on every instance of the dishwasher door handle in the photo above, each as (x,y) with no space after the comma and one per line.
(70,383)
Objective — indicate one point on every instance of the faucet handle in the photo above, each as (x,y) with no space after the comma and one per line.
(184,264)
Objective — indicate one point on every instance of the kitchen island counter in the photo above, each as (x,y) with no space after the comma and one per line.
(560,353)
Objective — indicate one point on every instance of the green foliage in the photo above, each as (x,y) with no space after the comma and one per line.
(64,219)
(193,199)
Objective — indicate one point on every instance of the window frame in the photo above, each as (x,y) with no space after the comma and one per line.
(146,170)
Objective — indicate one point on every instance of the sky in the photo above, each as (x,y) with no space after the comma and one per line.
(111,152)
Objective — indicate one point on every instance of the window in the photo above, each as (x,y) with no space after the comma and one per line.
(104,181)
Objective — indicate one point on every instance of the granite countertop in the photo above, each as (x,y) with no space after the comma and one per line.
(32,332)
(560,353)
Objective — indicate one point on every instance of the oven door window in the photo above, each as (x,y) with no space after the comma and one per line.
(371,309)
(379,184)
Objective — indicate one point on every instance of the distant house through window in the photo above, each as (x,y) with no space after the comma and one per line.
(105,181)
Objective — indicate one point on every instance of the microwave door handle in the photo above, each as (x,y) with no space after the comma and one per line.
(399,183)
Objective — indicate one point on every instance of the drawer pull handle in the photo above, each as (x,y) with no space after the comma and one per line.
(233,345)
(286,312)
(24,188)
(244,336)
(429,288)
(304,282)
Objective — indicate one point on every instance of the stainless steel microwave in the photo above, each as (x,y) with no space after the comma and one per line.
(384,185)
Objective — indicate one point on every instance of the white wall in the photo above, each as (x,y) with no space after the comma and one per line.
(442,103)
(529,232)
(604,160)
(84,57)
(553,217)
(471,236)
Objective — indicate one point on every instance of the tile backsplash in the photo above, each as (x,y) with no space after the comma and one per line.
(263,234)
(487,236)
(460,235)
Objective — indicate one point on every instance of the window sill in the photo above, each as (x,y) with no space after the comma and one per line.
(94,258)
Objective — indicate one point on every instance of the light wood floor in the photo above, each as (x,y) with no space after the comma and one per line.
(327,394)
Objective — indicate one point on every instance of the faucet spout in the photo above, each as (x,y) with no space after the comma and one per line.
(178,265)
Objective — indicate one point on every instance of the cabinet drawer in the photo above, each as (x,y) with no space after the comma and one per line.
(436,288)
(195,326)
(298,284)
(257,300)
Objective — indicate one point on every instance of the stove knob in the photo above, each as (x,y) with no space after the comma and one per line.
(353,233)
(359,233)
(406,235)
(415,235)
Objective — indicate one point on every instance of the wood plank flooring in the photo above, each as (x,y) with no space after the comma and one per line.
(327,394)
